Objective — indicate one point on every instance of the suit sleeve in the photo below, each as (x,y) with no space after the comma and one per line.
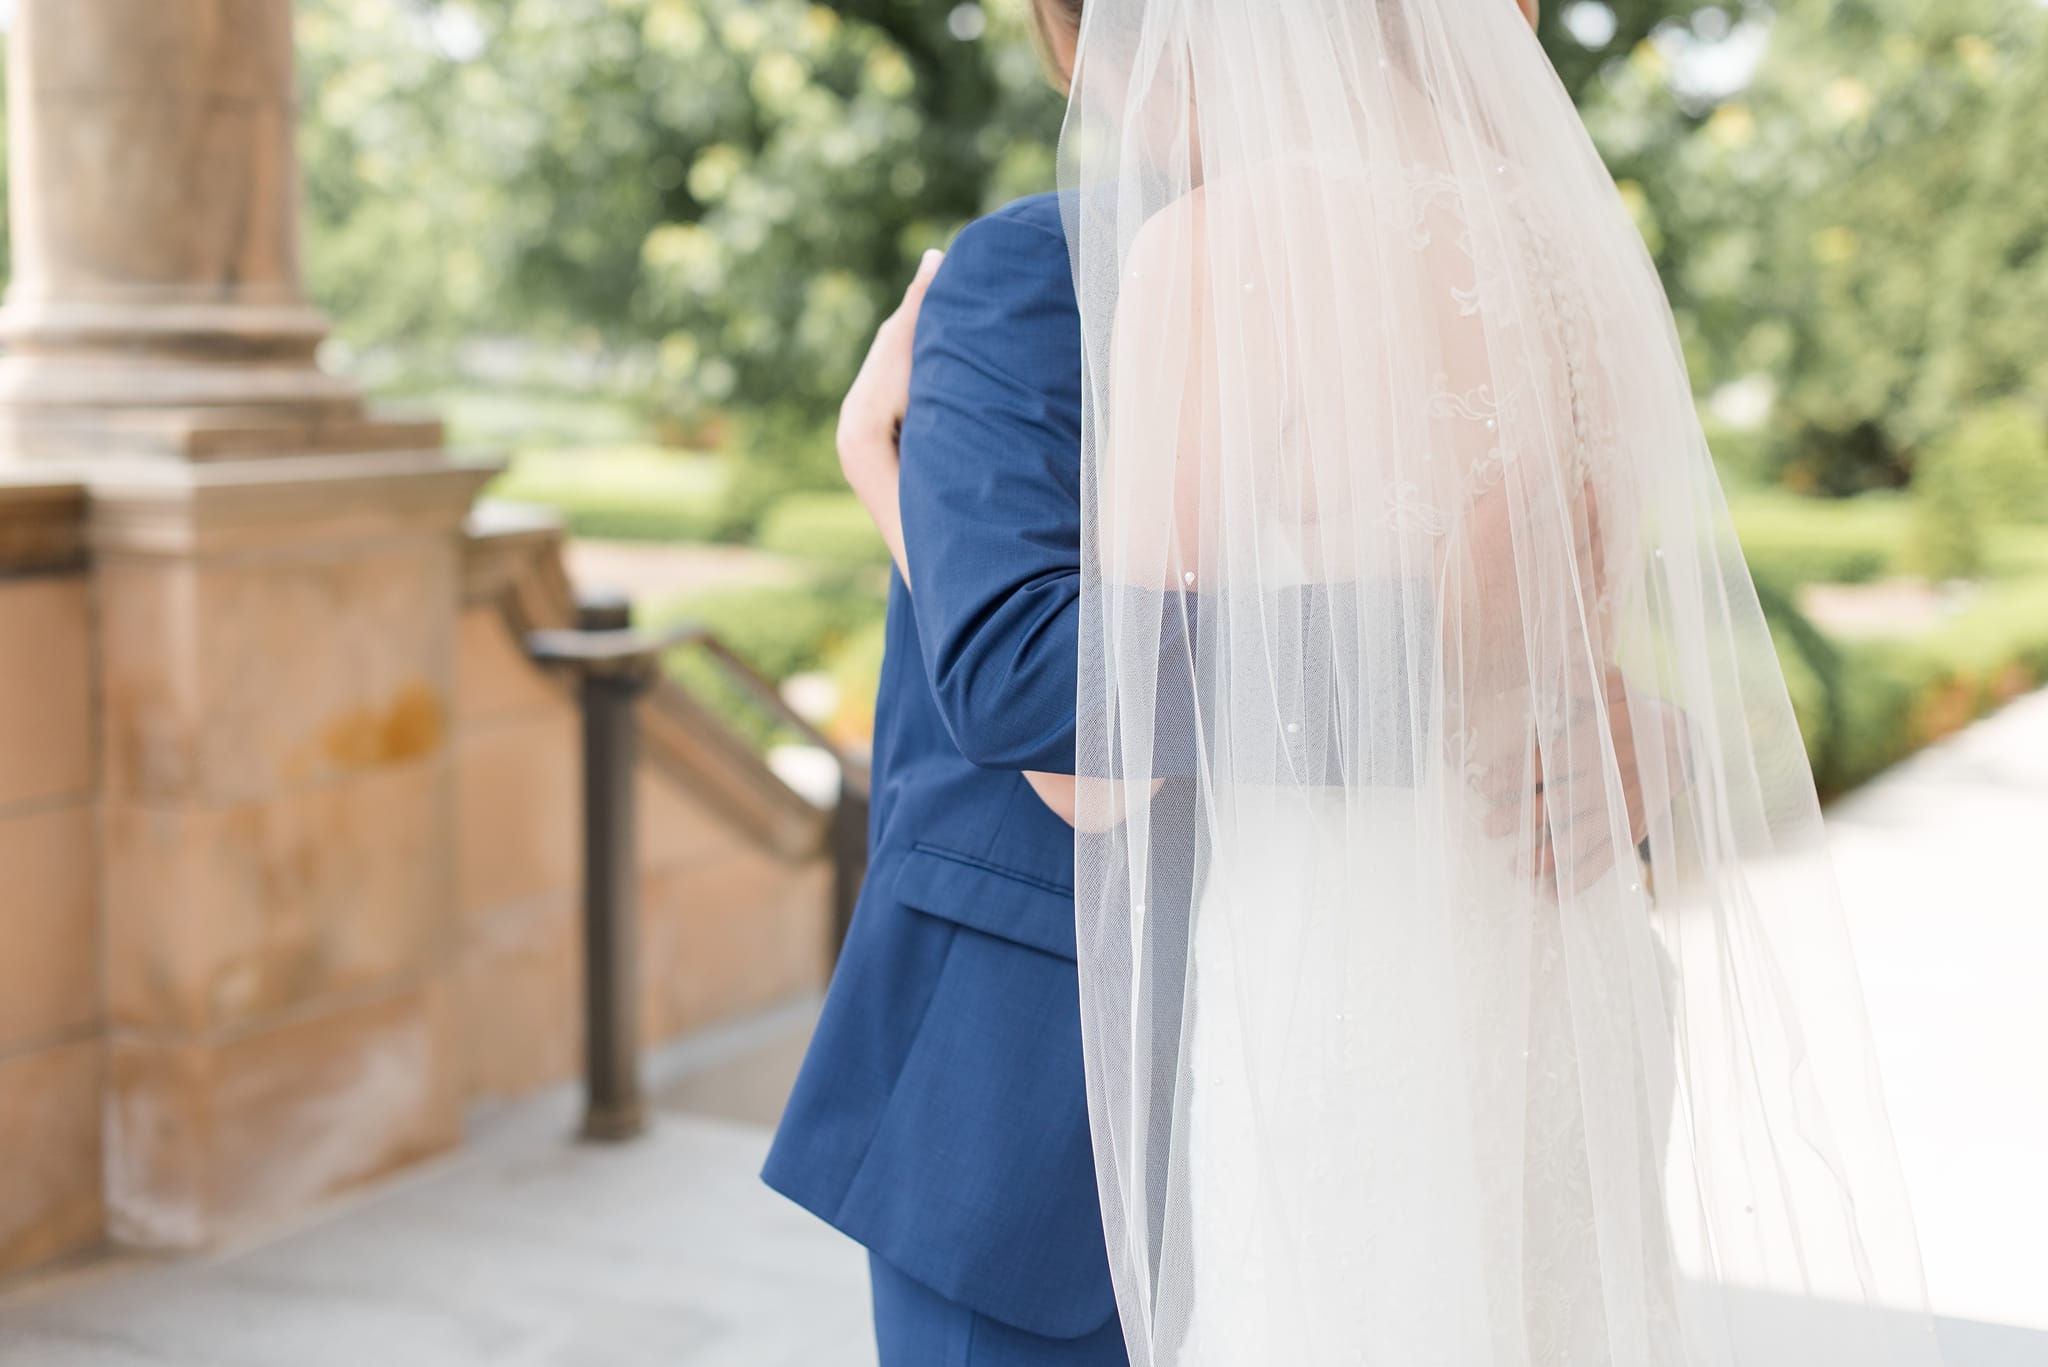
(991,497)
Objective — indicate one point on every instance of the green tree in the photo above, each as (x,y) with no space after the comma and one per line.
(722,195)
(1866,224)
(725,195)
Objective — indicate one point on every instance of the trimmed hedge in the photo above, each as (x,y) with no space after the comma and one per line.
(820,526)
(1865,705)
(1790,539)
(1794,539)
(627,493)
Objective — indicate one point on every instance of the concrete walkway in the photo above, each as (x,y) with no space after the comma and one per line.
(528,1251)
(1944,869)
(522,1250)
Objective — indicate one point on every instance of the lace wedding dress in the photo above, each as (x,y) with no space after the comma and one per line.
(1361,1014)
(1320,1106)
(1463,981)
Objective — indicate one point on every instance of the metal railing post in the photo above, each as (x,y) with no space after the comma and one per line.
(611,913)
(614,665)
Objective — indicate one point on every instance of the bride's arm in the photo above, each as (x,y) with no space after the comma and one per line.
(871,416)
(1059,792)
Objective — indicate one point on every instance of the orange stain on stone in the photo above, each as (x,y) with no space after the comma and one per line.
(411,725)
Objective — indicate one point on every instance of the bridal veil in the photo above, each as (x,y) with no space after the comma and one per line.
(1463,977)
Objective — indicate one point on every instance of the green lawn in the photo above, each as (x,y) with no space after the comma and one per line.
(622,492)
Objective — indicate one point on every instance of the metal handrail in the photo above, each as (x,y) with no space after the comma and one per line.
(848,832)
(615,664)
(847,835)
(615,647)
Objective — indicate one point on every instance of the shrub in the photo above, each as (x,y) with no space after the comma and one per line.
(822,526)
(1742,455)
(1948,521)
(1991,470)
(2004,450)
(1791,539)
(779,631)
(857,668)
(627,493)
(775,454)
(1813,675)
(1895,696)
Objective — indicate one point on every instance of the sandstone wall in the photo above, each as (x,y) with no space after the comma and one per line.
(274,910)
(52,1053)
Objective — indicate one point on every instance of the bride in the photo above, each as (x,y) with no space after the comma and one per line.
(1503,1013)
(1462,978)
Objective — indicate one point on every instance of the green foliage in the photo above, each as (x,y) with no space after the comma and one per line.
(1792,539)
(1948,522)
(717,199)
(1863,705)
(1862,224)
(1789,539)
(720,198)
(625,494)
(776,452)
(1898,696)
(857,668)
(1992,469)
(828,527)
(1742,456)
(2002,454)
(780,631)
(504,420)
(1580,63)
(1814,676)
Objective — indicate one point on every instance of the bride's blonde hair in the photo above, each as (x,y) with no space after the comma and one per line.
(1045,14)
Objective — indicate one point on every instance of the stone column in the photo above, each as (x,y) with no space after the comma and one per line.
(155,305)
(276,589)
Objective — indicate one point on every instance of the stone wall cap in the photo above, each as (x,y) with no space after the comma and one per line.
(183,508)
(24,487)
(42,522)
(499,517)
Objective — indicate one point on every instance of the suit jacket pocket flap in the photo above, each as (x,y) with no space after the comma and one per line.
(1006,903)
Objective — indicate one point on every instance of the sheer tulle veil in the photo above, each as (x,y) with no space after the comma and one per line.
(1463,976)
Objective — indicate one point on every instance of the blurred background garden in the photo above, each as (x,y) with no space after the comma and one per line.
(639,246)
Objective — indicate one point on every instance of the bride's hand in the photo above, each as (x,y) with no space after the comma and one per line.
(1061,793)
(1576,771)
(871,416)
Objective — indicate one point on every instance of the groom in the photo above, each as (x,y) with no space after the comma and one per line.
(940,1118)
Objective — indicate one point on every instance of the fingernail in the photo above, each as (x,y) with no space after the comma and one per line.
(932,257)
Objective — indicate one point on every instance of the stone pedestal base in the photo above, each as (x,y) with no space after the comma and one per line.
(276,676)
(216,1134)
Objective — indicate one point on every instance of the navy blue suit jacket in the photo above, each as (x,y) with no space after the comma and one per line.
(940,1117)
